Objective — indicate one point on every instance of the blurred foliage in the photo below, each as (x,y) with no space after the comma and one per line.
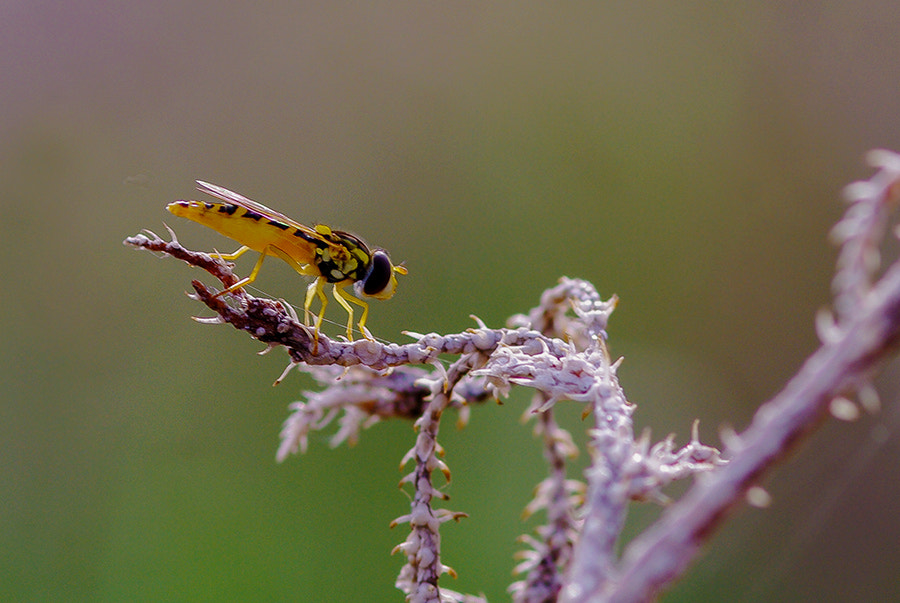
(687,157)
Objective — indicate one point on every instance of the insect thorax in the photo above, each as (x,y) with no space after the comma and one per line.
(347,258)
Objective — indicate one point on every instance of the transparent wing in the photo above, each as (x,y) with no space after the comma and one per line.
(339,247)
(241,201)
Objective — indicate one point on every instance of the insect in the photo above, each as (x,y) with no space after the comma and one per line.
(332,256)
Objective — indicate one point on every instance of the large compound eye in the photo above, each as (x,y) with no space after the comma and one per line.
(379,276)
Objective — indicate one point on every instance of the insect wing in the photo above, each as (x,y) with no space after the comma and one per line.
(302,243)
(241,201)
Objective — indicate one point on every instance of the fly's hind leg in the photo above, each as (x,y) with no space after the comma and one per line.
(244,281)
(315,289)
(267,250)
(231,256)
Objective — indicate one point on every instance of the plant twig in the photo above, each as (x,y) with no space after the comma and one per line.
(866,333)
(559,350)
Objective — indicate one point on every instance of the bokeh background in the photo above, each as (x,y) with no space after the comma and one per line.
(688,157)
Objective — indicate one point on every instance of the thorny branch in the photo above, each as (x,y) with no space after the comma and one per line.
(559,350)
(864,333)
(419,577)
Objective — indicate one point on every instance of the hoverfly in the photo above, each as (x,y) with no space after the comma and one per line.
(331,256)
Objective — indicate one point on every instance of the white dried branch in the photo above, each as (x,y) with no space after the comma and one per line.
(861,231)
(418,579)
(622,469)
(546,561)
(363,395)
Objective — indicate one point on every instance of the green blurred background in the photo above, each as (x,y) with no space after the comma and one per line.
(688,157)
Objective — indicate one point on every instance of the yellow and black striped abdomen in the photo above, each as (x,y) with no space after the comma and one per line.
(251,228)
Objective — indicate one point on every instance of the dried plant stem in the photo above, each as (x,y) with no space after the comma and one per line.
(419,578)
(608,495)
(559,350)
(559,497)
(865,333)
(661,553)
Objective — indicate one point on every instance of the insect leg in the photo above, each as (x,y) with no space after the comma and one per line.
(343,298)
(247,280)
(267,250)
(315,289)
(310,293)
(302,269)
(231,256)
